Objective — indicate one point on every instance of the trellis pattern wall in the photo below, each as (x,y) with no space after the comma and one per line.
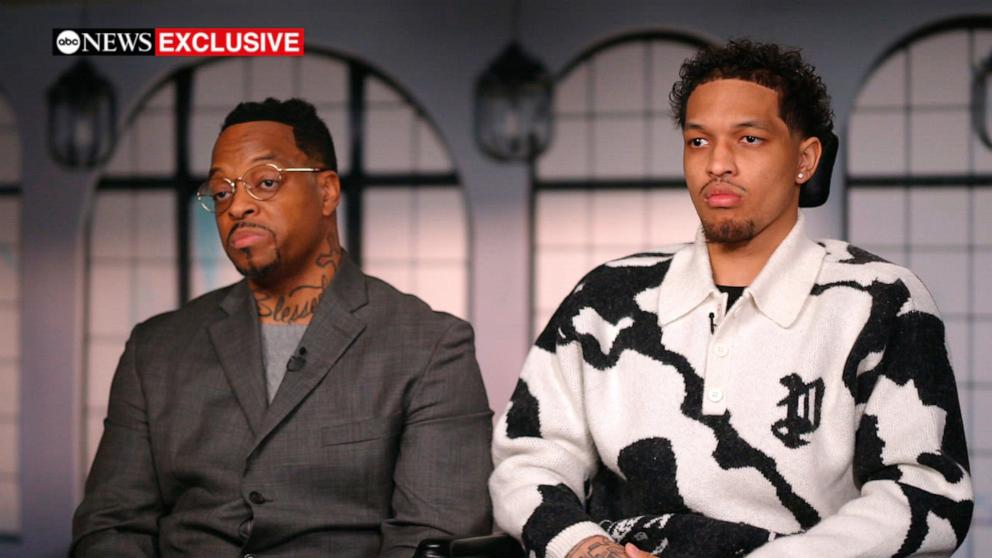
(611,183)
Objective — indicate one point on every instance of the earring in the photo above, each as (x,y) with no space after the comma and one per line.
(801,176)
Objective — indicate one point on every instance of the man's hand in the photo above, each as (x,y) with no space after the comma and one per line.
(604,547)
(634,552)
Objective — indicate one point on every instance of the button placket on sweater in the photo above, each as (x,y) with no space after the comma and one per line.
(718,361)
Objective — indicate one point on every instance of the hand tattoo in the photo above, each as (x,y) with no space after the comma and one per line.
(606,550)
(597,547)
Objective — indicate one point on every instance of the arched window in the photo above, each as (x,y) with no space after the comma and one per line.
(611,183)
(151,247)
(10,330)
(920,194)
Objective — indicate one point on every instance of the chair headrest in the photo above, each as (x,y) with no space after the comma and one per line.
(816,190)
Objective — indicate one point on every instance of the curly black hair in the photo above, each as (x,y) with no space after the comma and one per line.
(803,101)
(310,132)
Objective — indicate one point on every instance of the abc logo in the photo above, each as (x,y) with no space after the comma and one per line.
(67,42)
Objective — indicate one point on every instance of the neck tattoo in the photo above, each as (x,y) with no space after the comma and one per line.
(298,304)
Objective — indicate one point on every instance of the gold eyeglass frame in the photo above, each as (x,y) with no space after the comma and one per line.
(249,188)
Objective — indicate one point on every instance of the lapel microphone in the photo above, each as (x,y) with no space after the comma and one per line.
(297,361)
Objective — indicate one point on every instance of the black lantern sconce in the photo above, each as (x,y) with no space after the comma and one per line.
(82,110)
(980,101)
(513,105)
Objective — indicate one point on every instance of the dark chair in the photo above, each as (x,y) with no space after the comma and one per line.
(817,189)
(490,546)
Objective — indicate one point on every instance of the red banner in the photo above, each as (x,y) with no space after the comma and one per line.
(229,41)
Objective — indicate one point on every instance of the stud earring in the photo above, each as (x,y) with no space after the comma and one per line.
(801,176)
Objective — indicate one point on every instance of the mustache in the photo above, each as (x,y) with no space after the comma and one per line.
(244,224)
(718,181)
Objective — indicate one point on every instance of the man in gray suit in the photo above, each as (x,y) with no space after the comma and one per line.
(309,410)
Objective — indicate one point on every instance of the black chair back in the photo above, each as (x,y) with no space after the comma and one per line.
(817,189)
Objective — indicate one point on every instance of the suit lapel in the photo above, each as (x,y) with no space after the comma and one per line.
(331,331)
(237,340)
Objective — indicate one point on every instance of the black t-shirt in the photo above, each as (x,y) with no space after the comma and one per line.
(733,293)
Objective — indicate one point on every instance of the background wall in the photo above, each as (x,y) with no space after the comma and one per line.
(432,50)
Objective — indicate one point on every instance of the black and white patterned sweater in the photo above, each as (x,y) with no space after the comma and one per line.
(819,418)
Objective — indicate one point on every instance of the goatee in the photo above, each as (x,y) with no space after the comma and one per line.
(255,272)
(728,232)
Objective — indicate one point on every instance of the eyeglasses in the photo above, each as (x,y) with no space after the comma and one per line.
(262,182)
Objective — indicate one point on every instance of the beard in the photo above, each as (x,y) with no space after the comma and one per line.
(729,231)
(257,272)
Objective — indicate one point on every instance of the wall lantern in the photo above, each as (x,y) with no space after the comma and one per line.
(513,105)
(82,110)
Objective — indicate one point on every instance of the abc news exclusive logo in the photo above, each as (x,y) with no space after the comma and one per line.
(195,41)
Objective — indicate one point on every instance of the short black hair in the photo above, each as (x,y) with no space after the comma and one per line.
(803,101)
(310,132)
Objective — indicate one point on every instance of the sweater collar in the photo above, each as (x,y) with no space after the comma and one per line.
(779,291)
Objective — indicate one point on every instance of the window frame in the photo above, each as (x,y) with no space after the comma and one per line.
(590,184)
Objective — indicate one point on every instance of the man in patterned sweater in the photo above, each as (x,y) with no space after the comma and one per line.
(752,393)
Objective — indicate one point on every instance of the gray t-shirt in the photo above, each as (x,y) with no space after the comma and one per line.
(279,342)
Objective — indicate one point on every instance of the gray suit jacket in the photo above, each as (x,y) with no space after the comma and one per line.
(380,440)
